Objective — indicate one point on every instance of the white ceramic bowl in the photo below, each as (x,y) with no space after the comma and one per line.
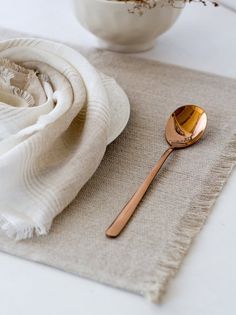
(119,30)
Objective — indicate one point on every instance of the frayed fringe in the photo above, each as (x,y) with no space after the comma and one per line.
(192,222)
(23,94)
(6,75)
(22,231)
(13,66)
(30,73)
(7,69)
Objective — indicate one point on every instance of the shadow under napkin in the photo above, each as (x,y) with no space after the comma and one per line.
(151,249)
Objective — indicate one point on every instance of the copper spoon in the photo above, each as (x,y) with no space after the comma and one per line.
(184,128)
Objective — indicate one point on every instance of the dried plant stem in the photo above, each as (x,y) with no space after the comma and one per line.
(140,5)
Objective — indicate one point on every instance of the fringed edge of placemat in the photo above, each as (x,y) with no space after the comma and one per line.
(191,223)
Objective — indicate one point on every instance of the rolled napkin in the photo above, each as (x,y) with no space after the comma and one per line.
(57,115)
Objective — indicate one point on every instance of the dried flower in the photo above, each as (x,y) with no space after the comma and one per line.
(140,5)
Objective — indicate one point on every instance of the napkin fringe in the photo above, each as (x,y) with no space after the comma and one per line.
(23,94)
(22,231)
(7,63)
(192,222)
(7,68)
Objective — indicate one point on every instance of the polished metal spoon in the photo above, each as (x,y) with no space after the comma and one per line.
(184,128)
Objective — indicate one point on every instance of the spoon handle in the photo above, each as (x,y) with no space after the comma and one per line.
(124,216)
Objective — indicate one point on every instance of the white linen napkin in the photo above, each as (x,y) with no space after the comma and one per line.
(55,124)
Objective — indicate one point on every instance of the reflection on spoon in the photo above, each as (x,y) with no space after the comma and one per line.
(184,128)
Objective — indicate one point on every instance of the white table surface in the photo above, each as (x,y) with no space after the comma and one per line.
(204,39)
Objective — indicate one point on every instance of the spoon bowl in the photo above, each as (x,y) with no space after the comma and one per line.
(185,127)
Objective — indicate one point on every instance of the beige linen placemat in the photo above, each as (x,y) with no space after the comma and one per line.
(151,249)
